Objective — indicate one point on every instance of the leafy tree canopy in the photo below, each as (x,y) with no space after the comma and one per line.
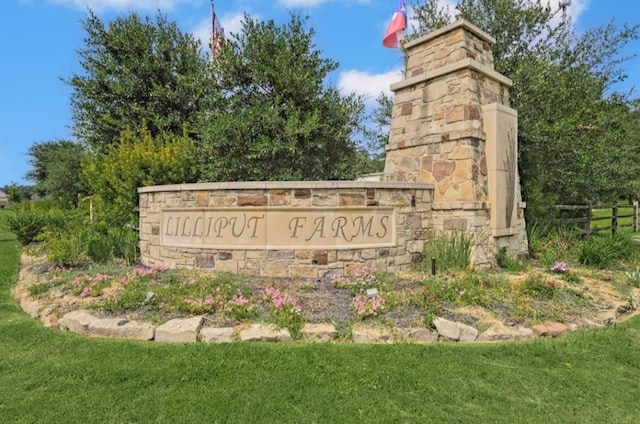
(272,115)
(135,70)
(56,170)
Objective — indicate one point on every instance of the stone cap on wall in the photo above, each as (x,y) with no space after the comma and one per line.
(284,185)
(461,23)
(452,68)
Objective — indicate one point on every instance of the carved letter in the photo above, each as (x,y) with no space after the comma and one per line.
(209,226)
(338,227)
(296,225)
(177,226)
(319,221)
(195,228)
(221,224)
(233,225)
(168,232)
(255,225)
(383,220)
(184,227)
(362,228)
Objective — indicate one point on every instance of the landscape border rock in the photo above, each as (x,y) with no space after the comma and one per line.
(189,330)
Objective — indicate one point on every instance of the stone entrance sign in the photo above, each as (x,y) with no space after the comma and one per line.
(285,229)
(279,228)
(451,164)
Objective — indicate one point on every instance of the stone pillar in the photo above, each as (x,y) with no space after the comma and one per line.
(452,126)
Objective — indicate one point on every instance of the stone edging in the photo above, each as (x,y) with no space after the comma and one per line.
(186,330)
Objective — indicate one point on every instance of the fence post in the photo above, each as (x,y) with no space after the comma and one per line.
(635,216)
(587,225)
(614,218)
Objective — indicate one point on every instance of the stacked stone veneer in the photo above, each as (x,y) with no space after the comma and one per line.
(439,136)
(409,204)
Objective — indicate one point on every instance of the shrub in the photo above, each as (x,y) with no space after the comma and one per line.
(65,248)
(136,160)
(605,250)
(285,311)
(508,262)
(450,249)
(29,223)
(633,277)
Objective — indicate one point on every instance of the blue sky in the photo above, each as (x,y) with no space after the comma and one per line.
(39,39)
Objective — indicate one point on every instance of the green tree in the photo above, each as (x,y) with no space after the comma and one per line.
(138,159)
(55,169)
(272,115)
(377,134)
(572,143)
(135,71)
(14,193)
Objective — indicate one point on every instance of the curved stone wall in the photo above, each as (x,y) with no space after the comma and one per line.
(285,229)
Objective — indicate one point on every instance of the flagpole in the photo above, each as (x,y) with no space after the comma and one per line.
(213,33)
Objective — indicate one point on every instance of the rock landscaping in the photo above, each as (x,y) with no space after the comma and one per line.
(72,313)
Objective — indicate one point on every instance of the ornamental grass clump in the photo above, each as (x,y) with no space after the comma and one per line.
(284,310)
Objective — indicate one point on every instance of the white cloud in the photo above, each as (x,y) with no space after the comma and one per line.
(573,11)
(231,23)
(310,3)
(119,5)
(366,84)
(301,3)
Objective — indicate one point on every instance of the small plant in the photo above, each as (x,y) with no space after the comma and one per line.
(368,306)
(560,268)
(362,279)
(37,290)
(450,249)
(88,285)
(571,277)
(285,311)
(633,277)
(240,307)
(508,262)
(539,286)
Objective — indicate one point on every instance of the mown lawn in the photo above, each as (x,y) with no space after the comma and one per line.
(52,377)
(601,218)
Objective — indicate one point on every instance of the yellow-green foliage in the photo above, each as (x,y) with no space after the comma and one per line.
(136,160)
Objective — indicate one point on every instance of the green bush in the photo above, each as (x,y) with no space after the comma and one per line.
(65,248)
(508,262)
(450,249)
(29,223)
(99,247)
(124,243)
(552,244)
(605,250)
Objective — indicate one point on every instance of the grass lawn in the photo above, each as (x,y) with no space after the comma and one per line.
(50,376)
(603,216)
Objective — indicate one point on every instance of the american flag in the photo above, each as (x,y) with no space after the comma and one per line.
(217,33)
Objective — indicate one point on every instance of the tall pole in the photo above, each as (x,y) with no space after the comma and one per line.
(213,30)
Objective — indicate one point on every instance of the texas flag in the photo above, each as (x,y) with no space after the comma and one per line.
(395,30)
